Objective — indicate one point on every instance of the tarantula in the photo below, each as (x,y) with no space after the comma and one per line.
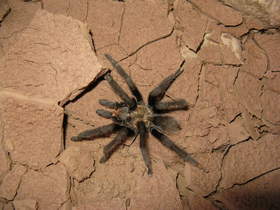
(132,117)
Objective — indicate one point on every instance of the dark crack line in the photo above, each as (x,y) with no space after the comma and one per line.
(236,184)
(92,42)
(121,26)
(223,64)
(98,78)
(217,187)
(201,43)
(203,39)
(236,77)
(5,15)
(199,83)
(148,43)
(222,207)
(253,179)
(235,117)
(64,131)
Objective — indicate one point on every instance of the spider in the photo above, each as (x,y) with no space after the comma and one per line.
(132,117)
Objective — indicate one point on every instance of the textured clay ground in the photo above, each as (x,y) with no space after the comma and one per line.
(51,56)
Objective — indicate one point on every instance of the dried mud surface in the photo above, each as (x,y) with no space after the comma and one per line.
(51,68)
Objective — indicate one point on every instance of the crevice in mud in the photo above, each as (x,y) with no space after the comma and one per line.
(223,64)
(64,131)
(226,151)
(239,115)
(5,15)
(92,42)
(148,43)
(234,81)
(99,77)
(202,41)
(254,178)
(65,102)
(199,83)
(214,201)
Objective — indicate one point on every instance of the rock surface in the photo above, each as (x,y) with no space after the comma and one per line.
(48,187)
(78,162)
(57,73)
(25,144)
(266,11)
(50,55)
(11,181)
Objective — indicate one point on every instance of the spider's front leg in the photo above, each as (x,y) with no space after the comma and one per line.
(133,88)
(110,104)
(143,145)
(119,91)
(91,134)
(108,150)
(169,106)
(157,94)
(104,113)
(164,140)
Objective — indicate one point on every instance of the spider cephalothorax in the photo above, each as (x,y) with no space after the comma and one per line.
(132,117)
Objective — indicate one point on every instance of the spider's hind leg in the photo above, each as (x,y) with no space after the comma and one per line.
(98,132)
(166,123)
(158,93)
(164,140)
(133,88)
(169,106)
(108,150)
(143,146)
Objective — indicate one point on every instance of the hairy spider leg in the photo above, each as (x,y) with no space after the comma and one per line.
(168,106)
(158,92)
(166,123)
(164,140)
(104,113)
(119,91)
(98,132)
(114,144)
(133,88)
(143,145)
(110,104)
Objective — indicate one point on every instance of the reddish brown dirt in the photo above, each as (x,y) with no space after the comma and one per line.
(52,51)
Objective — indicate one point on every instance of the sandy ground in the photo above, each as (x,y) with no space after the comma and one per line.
(51,68)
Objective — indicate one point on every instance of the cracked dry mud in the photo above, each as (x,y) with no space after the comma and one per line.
(51,60)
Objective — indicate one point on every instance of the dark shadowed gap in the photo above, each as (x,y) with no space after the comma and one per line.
(93,84)
(64,130)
